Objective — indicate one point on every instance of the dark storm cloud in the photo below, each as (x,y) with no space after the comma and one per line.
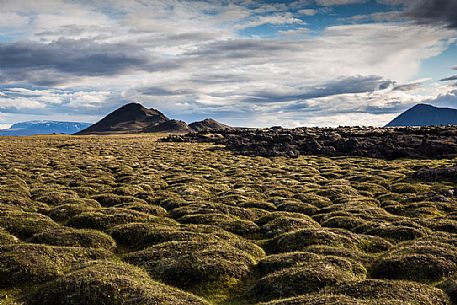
(48,64)
(434,12)
(354,84)
(450,78)
(158,91)
(407,87)
(240,48)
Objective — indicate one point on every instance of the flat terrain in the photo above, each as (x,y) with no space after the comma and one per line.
(131,220)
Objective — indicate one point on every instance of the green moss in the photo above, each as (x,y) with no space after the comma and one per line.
(385,290)
(103,219)
(189,264)
(7,238)
(321,299)
(22,264)
(298,240)
(419,261)
(53,197)
(308,277)
(284,223)
(109,200)
(24,225)
(74,238)
(109,283)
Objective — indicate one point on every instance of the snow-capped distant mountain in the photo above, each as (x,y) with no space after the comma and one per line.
(43,127)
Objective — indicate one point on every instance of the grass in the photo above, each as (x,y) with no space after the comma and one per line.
(126,219)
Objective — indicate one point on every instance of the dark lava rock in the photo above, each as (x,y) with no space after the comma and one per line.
(387,143)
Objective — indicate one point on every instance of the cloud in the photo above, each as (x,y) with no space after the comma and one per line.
(353,84)
(11,20)
(34,101)
(338,2)
(448,99)
(191,58)
(20,61)
(5,126)
(307,12)
(411,85)
(274,19)
(450,78)
(434,12)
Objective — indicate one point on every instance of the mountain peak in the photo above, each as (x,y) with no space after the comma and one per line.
(422,106)
(130,118)
(134,118)
(425,115)
(208,124)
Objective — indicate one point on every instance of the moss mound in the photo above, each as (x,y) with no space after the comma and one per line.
(353,254)
(103,219)
(394,232)
(348,222)
(28,263)
(320,299)
(142,235)
(417,261)
(218,208)
(109,283)
(309,277)
(450,287)
(24,224)
(7,238)
(276,262)
(65,211)
(189,264)
(385,290)
(298,207)
(298,240)
(70,237)
(109,199)
(53,197)
(284,223)
(143,207)
(225,221)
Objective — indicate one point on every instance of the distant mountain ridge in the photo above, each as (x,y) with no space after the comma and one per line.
(135,118)
(130,118)
(425,115)
(43,127)
(208,124)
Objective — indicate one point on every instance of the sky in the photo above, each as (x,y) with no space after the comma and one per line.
(243,62)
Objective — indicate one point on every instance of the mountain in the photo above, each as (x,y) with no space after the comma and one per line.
(425,115)
(134,118)
(173,126)
(208,124)
(43,127)
(130,118)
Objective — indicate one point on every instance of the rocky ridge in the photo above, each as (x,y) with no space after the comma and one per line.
(387,143)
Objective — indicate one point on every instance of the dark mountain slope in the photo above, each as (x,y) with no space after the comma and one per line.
(131,118)
(172,126)
(425,115)
(208,124)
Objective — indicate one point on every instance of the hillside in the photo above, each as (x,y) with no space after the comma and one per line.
(43,127)
(170,126)
(130,118)
(208,124)
(134,118)
(425,115)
